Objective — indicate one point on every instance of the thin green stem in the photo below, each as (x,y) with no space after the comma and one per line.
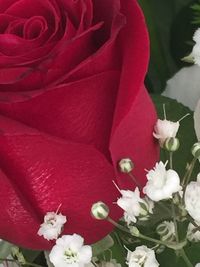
(185,258)
(194,223)
(119,226)
(171,245)
(188,173)
(175,222)
(135,181)
(171,160)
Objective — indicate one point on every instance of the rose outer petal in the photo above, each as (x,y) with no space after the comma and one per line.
(45,172)
(135,116)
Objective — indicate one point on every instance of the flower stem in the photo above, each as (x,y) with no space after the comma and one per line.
(171,245)
(119,226)
(188,173)
(135,181)
(185,258)
(171,160)
(175,222)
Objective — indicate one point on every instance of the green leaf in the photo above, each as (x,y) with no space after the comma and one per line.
(102,245)
(165,18)
(5,249)
(30,255)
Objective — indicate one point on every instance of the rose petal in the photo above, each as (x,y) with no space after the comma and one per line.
(47,172)
(134,115)
(81,111)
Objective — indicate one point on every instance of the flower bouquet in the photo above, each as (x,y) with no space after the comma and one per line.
(95,171)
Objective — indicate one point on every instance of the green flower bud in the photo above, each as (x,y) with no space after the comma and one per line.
(100,210)
(196,150)
(126,165)
(172,144)
(134,231)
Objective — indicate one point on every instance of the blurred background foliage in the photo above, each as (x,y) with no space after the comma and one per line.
(171,27)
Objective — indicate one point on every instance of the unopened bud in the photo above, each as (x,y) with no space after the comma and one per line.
(134,231)
(100,210)
(196,150)
(126,165)
(172,144)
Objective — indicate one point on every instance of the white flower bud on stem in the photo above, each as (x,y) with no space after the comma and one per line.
(100,210)
(126,165)
(171,144)
(196,150)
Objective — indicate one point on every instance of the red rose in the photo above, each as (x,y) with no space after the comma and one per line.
(72,104)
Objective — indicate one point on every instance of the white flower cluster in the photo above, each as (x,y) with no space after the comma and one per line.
(165,129)
(161,183)
(52,226)
(134,206)
(69,249)
(142,257)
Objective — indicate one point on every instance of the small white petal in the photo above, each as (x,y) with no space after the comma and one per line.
(52,226)
(69,251)
(192,200)
(142,257)
(165,129)
(184,86)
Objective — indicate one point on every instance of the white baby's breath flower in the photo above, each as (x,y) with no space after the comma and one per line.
(52,226)
(184,86)
(192,200)
(196,48)
(133,205)
(165,129)
(166,230)
(129,202)
(142,256)
(161,183)
(69,251)
(193,234)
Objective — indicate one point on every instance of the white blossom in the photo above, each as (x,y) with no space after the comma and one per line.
(142,257)
(161,183)
(133,205)
(192,233)
(165,129)
(52,226)
(192,200)
(184,86)
(197,265)
(69,251)
(196,48)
